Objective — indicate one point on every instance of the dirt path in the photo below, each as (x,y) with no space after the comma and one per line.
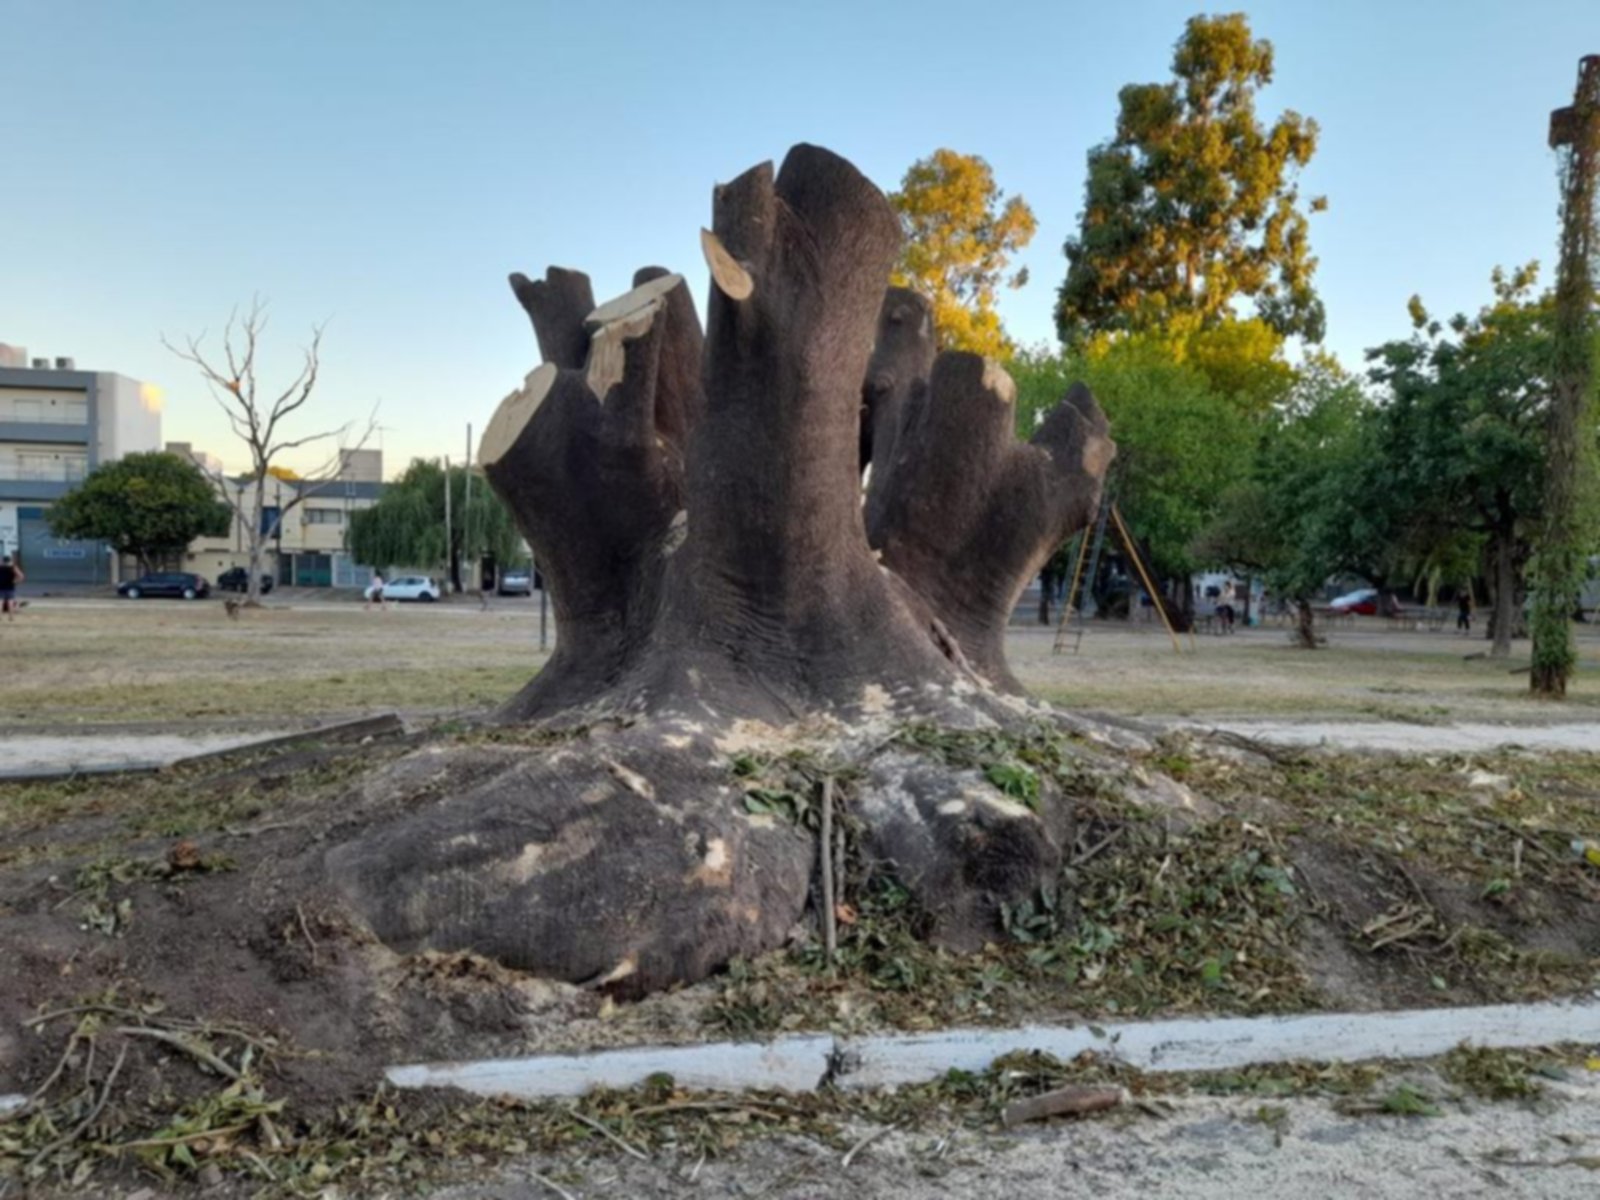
(22,754)
(1209,1149)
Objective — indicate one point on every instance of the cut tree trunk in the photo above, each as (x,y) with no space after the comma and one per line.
(725,591)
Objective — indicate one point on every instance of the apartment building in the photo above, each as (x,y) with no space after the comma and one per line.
(308,549)
(57,424)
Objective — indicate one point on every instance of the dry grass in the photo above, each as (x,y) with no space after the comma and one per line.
(1366,673)
(181,664)
(169,663)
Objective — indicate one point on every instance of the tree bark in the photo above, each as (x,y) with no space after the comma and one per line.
(1502,621)
(969,515)
(695,503)
(897,376)
(1304,625)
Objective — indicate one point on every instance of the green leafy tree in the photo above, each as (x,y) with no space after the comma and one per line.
(1303,513)
(1181,443)
(148,505)
(960,234)
(1193,203)
(1462,445)
(406,527)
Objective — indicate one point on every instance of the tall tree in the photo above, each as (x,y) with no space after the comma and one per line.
(1462,444)
(257,419)
(1194,202)
(1569,440)
(1303,512)
(406,527)
(960,233)
(148,505)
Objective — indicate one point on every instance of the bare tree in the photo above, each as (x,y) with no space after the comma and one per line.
(257,419)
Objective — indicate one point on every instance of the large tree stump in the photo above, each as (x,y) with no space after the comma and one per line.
(722,581)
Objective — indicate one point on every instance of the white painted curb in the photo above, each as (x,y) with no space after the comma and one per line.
(1198,1044)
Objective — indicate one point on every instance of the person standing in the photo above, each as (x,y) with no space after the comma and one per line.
(375,592)
(10,577)
(1464,611)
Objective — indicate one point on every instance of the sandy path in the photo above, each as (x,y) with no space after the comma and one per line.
(1210,1149)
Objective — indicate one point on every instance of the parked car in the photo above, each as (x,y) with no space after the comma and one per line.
(516,582)
(182,584)
(238,580)
(1363,601)
(411,587)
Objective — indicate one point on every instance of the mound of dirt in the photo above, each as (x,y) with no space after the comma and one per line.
(177,997)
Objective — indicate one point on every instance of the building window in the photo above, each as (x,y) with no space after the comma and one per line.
(324,516)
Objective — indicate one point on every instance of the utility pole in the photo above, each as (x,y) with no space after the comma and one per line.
(1560,545)
(468,553)
(449,526)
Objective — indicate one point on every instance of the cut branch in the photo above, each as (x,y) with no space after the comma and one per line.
(557,305)
(578,456)
(897,376)
(967,515)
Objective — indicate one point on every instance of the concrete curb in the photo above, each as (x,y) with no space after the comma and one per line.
(801,1063)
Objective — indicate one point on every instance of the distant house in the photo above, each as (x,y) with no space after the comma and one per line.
(57,424)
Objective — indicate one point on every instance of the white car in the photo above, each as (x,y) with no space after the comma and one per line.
(411,587)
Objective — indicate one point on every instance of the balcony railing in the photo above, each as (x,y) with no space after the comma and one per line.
(64,472)
(48,416)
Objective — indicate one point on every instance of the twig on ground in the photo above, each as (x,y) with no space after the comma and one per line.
(830,919)
(54,1014)
(552,1185)
(306,929)
(61,1065)
(180,1139)
(1095,850)
(197,1052)
(269,1132)
(1068,1101)
(615,1139)
(82,1127)
(770,1108)
(850,1154)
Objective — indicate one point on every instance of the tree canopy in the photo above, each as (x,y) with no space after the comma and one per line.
(960,233)
(1462,430)
(149,505)
(1194,203)
(1297,516)
(1181,441)
(406,526)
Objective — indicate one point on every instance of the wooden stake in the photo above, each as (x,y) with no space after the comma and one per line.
(1133,553)
(830,920)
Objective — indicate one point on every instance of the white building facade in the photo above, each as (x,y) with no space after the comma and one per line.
(57,424)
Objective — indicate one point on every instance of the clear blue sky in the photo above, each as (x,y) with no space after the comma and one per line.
(385,163)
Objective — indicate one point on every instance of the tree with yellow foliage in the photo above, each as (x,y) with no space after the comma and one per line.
(960,233)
